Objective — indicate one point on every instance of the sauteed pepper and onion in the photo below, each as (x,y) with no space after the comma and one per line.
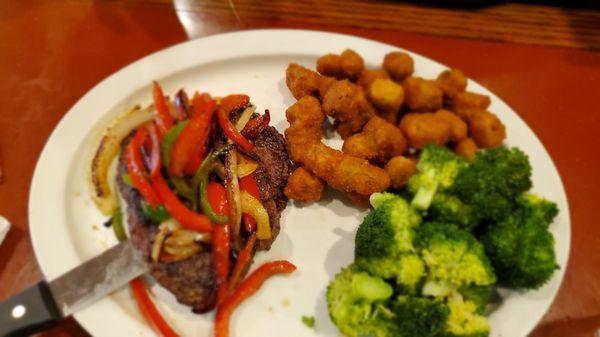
(192,164)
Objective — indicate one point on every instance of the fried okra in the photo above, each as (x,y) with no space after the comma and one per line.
(398,65)
(458,128)
(469,100)
(421,94)
(487,130)
(347,104)
(387,96)
(348,65)
(452,82)
(302,81)
(303,185)
(378,142)
(466,148)
(367,77)
(400,169)
(425,128)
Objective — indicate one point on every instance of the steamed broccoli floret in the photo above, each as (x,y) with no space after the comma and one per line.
(464,321)
(355,302)
(436,171)
(376,199)
(448,208)
(387,231)
(384,243)
(493,180)
(479,295)
(521,247)
(539,207)
(405,269)
(419,317)
(453,257)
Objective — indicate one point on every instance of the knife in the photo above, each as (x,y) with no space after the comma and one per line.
(48,302)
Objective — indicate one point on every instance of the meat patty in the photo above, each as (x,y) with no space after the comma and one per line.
(192,281)
(273,171)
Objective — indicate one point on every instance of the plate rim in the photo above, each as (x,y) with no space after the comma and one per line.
(36,232)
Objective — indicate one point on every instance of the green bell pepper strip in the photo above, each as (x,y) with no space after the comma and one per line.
(156,214)
(166,149)
(127,179)
(201,178)
(117,225)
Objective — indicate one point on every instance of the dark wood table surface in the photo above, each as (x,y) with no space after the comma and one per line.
(542,60)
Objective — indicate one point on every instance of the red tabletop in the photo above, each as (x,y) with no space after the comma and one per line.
(540,60)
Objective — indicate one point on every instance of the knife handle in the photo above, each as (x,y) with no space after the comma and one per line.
(28,312)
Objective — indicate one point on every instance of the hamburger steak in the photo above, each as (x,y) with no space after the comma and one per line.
(192,281)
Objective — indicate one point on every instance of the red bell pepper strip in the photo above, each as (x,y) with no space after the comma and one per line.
(242,263)
(148,309)
(191,145)
(217,197)
(188,218)
(163,117)
(256,125)
(228,105)
(248,184)
(155,156)
(135,167)
(245,290)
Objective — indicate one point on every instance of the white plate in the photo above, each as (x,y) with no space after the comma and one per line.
(66,228)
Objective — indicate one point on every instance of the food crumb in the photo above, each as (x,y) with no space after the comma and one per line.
(286,302)
(270,309)
(309,321)
(95,227)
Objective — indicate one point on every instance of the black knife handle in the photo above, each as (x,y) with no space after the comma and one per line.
(28,312)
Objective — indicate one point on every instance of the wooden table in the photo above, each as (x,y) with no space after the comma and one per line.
(540,60)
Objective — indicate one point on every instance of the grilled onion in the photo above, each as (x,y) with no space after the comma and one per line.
(104,198)
(165,228)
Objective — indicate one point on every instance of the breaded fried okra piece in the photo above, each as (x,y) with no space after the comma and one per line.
(421,94)
(368,76)
(341,171)
(425,128)
(302,81)
(398,65)
(452,82)
(348,65)
(347,104)
(487,129)
(466,148)
(378,142)
(458,128)
(387,96)
(303,185)
(400,169)
(468,100)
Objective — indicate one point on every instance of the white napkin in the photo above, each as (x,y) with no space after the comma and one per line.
(4,227)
